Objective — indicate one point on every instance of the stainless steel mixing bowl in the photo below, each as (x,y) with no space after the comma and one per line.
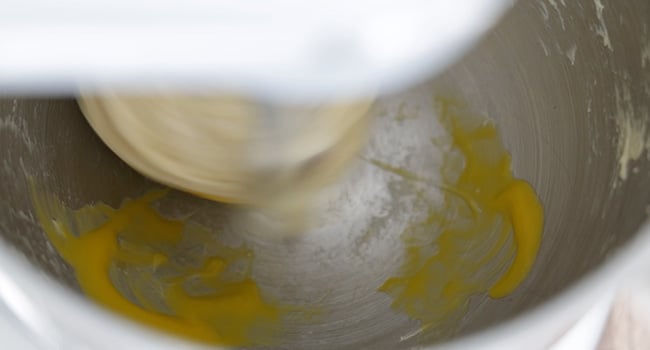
(567,83)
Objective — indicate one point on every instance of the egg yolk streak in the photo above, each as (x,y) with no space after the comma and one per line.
(134,247)
(484,238)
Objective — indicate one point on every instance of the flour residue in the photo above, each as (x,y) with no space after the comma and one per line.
(559,14)
(571,54)
(601,29)
(645,55)
(632,143)
(544,11)
(632,132)
(17,125)
(543,45)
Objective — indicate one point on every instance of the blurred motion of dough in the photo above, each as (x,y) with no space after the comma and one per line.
(233,150)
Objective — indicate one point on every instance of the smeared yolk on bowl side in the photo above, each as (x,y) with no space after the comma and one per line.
(209,300)
(487,232)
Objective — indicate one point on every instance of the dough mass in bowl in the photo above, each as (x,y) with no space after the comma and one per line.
(230,149)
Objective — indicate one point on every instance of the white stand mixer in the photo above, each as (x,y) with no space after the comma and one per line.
(274,53)
(280,49)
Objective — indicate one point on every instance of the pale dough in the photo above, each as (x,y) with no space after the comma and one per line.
(228,148)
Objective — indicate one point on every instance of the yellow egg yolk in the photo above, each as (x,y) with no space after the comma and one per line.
(134,247)
(485,237)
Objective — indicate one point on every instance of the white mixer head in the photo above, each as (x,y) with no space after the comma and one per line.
(287,49)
